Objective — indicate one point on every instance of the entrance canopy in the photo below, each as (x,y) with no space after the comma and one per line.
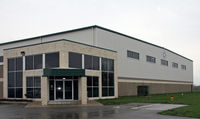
(63,72)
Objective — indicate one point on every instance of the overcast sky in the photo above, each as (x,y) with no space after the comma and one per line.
(173,24)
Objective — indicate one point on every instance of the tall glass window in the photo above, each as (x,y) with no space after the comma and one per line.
(91,62)
(15,77)
(93,86)
(33,87)
(107,77)
(52,60)
(75,60)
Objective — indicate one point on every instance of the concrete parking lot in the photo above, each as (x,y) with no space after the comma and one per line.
(128,111)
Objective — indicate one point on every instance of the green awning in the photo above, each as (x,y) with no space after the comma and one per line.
(63,72)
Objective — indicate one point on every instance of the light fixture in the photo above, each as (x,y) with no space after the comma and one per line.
(22,53)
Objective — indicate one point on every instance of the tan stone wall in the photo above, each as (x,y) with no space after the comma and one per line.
(63,47)
(44,90)
(130,88)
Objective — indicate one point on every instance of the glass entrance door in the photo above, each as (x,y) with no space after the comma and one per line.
(59,90)
(68,90)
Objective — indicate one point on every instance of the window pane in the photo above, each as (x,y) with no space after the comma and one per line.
(95,92)
(1,71)
(129,54)
(95,63)
(37,61)
(175,65)
(75,60)
(110,65)
(37,82)
(150,59)
(75,89)
(89,90)
(11,64)
(132,54)
(183,67)
(95,81)
(11,93)
(88,61)
(104,64)
(29,92)
(29,81)
(111,91)
(37,93)
(29,62)
(89,81)
(104,79)
(111,79)
(19,79)
(52,60)
(1,58)
(19,64)
(11,79)
(164,62)
(19,93)
(104,91)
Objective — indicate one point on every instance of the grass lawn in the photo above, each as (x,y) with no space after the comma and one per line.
(190,99)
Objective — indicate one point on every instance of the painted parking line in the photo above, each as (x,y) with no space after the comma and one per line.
(139,107)
(162,107)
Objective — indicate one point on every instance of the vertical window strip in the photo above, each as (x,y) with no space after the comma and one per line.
(15,77)
(107,89)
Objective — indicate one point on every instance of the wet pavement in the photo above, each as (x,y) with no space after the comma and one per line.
(128,111)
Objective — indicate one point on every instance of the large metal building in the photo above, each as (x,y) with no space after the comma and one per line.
(89,63)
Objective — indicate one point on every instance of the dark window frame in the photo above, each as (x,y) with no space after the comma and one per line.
(93,86)
(34,62)
(34,87)
(17,84)
(108,81)
(133,55)
(1,58)
(150,59)
(164,62)
(52,65)
(93,62)
(183,67)
(1,71)
(72,63)
(175,65)
(28,65)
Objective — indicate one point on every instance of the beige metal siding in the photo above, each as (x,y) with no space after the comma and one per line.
(134,68)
